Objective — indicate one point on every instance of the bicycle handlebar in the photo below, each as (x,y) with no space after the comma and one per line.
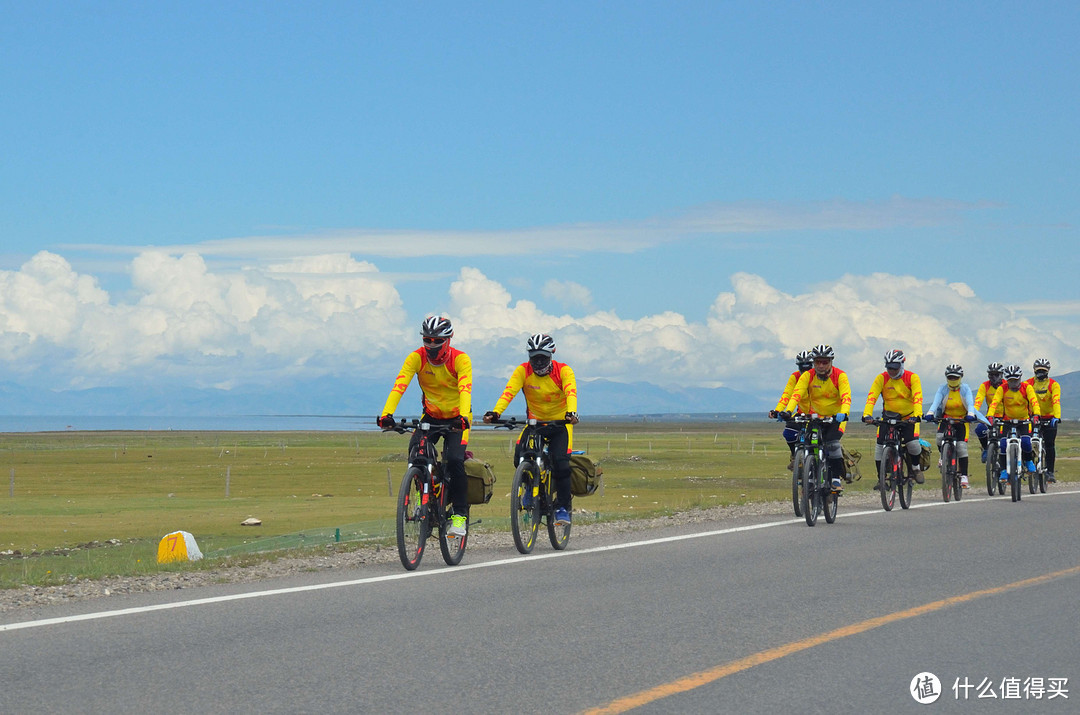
(532,422)
(403,426)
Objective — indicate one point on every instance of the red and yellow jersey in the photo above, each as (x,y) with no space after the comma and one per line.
(447,388)
(823,397)
(954,405)
(1048,395)
(792,380)
(547,397)
(1015,404)
(986,394)
(902,395)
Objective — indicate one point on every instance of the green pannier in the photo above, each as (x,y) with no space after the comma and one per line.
(481,480)
(586,476)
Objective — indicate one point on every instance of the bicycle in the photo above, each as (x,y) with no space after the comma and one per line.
(811,471)
(1013,455)
(895,475)
(993,484)
(955,429)
(532,492)
(1037,480)
(422,498)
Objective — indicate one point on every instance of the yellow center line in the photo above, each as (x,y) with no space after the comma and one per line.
(711,675)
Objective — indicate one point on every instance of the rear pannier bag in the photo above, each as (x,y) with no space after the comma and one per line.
(586,476)
(481,481)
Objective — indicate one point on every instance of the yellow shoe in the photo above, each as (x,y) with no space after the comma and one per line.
(458,526)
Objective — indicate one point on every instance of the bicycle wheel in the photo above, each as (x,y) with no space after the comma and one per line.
(887,478)
(559,536)
(796,480)
(812,491)
(830,499)
(947,470)
(452,547)
(806,469)
(412,523)
(907,483)
(525,507)
(1012,460)
(958,489)
(991,468)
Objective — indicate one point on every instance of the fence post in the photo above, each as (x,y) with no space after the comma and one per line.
(228,469)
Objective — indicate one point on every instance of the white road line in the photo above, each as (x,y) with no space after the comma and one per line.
(466,567)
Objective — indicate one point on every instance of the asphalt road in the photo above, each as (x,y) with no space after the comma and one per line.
(759,615)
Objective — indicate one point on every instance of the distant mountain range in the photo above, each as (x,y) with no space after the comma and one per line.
(364,397)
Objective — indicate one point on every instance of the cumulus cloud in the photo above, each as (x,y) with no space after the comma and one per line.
(568,294)
(325,314)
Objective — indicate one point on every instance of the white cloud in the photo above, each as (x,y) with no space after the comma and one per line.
(331,313)
(568,294)
(729,218)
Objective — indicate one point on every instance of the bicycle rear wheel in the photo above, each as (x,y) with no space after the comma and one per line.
(830,500)
(525,507)
(452,547)
(559,536)
(947,470)
(958,489)
(888,478)
(412,522)
(907,483)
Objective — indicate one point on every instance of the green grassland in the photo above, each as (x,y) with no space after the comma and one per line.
(89,504)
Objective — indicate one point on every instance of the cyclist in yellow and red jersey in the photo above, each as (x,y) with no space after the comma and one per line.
(1017,400)
(1048,393)
(445,378)
(901,393)
(985,394)
(954,400)
(550,391)
(803,363)
(825,391)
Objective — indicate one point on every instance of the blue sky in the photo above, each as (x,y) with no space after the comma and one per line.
(684,193)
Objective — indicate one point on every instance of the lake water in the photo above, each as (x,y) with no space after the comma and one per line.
(240,423)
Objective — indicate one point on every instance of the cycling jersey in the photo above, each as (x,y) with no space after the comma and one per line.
(792,380)
(1015,404)
(1048,395)
(447,388)
(984,395)
(547,397)
(824,397)
(902,395)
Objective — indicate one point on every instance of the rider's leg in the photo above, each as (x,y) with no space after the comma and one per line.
(454,451)
(834,455)
(1049,437)
(962,461)
(982,432)
(791,436)
(914,452)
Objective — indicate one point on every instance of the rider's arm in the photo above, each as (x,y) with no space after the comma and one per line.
(916,394)
(513,385)
(995,400)
(1055,399)
(939,401)
(1032,399)
(463,366)
(970,405)
(569,386)
(802,387)
(792,380)
(409,368)
(875,391)
(845,393)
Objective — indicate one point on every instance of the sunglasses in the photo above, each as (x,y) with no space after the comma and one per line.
(822,362)
(434,342)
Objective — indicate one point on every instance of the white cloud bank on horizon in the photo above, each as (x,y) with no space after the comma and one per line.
(333,314)
(611,237)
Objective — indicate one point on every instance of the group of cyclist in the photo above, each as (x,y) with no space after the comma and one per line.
(445,378)
(818,387)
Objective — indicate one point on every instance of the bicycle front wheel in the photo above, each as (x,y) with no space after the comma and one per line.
(947,470)
(796,481)
(888,477)
(525,507)
(812,490)
(412,521)
(1012,460)
(991,468)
